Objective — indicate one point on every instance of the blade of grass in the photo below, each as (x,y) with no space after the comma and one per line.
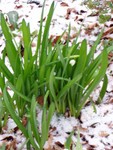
(33,120)
(68,85)
(91,53)
(81,62)
(6,71)
(18,93)
(13,114)
(103,90)
(69,141)
(5,28)
(31,138)
(10,48)
(78,144)
(97,79)
(45,35)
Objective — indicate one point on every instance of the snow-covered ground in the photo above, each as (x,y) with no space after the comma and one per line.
(96,129)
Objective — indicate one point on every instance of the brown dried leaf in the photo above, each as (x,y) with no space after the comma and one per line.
(11,145)
(82,129)
(15,129)
(64,4)
(108,31)
(11,26)
(18,6)
(49,143)
(65,36)
(110,101)
(54,39)
(8,138)
(56,147)
(74,35)
(24,121)
(69,10)
(60,145)
(52,129)
(91,26)
(40,100)
(103,134)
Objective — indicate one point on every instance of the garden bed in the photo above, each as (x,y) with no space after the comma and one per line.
(95,123)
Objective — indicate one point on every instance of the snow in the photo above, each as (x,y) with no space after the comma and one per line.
(96,129)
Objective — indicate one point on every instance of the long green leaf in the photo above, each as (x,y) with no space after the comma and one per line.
(10,48)
(98,78)
(13,114)
(69,141)
(5,29)
(6,71)
(18,93)
(81,62)
(45,35)
(68,85)
(103,90)
(92,51)
(49,115)
(31,138)
(33,120)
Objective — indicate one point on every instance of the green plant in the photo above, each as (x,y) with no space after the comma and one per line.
(68,142)
(51,68)
(27,73)
(71,84)
(42,136)
(35,137)
(70,145)
(78,144)
(3,147)
(24,80)
(63,75)
(101,8)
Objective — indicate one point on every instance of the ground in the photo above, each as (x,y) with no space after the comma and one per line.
(96,128)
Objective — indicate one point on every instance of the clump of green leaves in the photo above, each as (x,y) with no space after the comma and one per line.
(24,80)
(64,75)
(103,18)
(102,9)
(69,73)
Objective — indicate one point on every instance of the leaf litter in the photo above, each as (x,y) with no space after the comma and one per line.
(96,129)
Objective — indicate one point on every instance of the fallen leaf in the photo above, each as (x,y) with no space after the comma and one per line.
(103,134)
(69,10)
(11,145)
(64,4)
(108,31)
(91,26)
(40,100)
(54,39)
(59,144)
(110,101)
(82,129)
(18,6)
(8,138)
(24,121)
(49,143)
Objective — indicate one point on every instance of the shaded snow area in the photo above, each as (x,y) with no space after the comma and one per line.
(96,128)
